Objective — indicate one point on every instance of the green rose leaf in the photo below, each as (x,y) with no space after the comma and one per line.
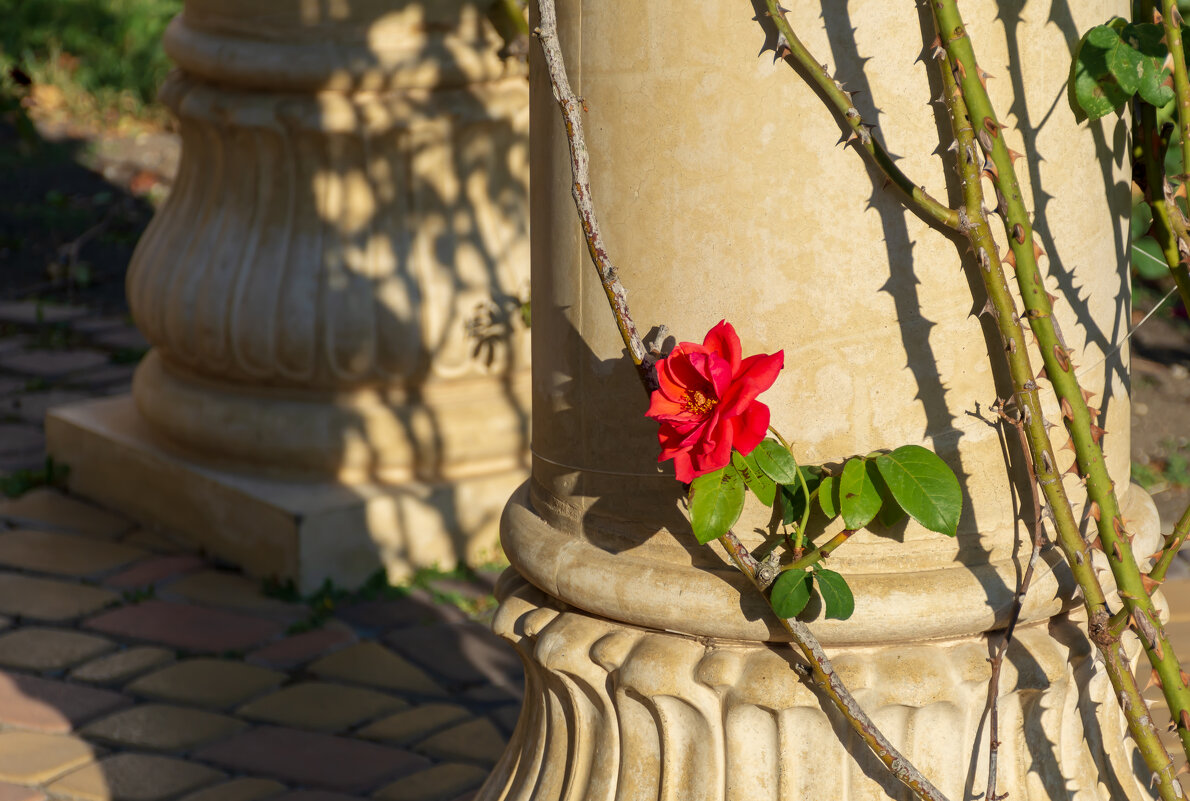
(793,499)
(716,500)
(859,500)
(891,512)
(828,497)
(837,599)
(1148,39)
(1098,90)
(924,486)
(790,593)
(1148,259)
(761,485)
(1142,219)
(776,462)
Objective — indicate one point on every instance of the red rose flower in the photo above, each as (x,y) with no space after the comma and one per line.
(706,403)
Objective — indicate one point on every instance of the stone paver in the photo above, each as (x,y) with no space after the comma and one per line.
(49,649)
(301,648)
(314,795)
(439,783)
(314,760)
(373,664)
(34,758)
(135,777)
(29,312)
(460,655)
(155,541)
(14,792)
(53,363)
(320,706)
(32,406)
(416,609)
(476,740)
(49,600)
(123,665)
(213,683)
(154,569)
(160,727)
(411,725)
(21,446)
(220,588)
(247,789)
(28,702)
(43,507)
(182,626)
(63,554)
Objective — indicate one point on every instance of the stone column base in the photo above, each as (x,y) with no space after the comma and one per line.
(615,712)
(304,530)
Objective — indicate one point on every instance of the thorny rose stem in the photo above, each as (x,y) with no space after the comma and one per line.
(821,670)
(1079,419)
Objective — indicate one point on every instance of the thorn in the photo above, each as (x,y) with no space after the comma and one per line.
(1182,675)
(1038,251)
(1094,508)
(1097,433)
(960,70)
(983,77)
(1053,298)
(1149,586)
(1117,524)
(936,49)
(1185,719)
(1067,412)
(1069,446)
(1072,469)
(988,308)
(1087,394)
(1012,154)
(1095,544)
(985,141)
(1042,374)
(991,126)
(989,169)
(1116,551)
(1093,412)
(954,147)
(1063,359)
(1010,259)
(1018,233)
(1154,681)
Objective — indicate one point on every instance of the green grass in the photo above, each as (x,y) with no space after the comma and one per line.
(109,50)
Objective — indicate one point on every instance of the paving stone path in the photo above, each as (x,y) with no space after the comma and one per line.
(133,669)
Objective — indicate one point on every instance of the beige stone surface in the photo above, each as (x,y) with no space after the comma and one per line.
(49,600)
(207,682)
(34,758)
(45,506)
(122,665)
(247,789)
(439,783)
(34,648)
(270,527)
(321,706)
(410,725)
(645,712)
(360,321)
(64,554)
(372,664)
(161,727)
(134,777)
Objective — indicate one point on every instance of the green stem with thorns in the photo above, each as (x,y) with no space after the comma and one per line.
(840,100)
(1076,415)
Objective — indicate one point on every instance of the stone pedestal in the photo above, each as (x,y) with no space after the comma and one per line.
(655,669)
(333,290)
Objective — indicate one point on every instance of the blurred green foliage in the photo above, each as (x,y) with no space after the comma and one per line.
(110,49)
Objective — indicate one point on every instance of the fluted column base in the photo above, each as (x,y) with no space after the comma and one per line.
(617,712)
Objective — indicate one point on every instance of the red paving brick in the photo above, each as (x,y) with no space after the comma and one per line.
(311,795)
(14,792)
(300,648)
(181,626)
(27,702)
(317,760)
(150,571)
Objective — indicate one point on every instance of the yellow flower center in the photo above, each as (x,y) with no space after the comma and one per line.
(698,403)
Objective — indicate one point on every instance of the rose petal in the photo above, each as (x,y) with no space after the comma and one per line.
(750,427)
(722,340)
(757,373)
(662,407)
(683,469)
(717,449)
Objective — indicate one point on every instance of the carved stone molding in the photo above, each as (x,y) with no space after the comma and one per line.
(614,712)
